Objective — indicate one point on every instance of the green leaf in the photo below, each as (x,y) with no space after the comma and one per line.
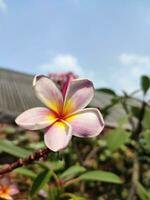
(142,192)
(12,149)
(72,171)
(146,136)
(122,121)
(25,171)
(72,196)
(37,145)
(145,83)
(8,130)
(40,181)
(54,193)
(115,100)
(136,111)
(107,91)
(100,176)
(146,120)
(57,165)
(116,138)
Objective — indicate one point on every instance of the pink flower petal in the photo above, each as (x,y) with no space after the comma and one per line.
(86,123)
(78,95)
(58,136)
(48,93)
(13,189)
(36,118)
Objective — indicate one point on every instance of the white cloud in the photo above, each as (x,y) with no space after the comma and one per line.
(133,66)
(62,63)
(3,6)
(136,65)
(68,63)
(134,59)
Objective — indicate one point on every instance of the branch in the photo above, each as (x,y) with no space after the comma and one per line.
(91,153)
(136,131)
(78,153)
(23,162)
(72,181)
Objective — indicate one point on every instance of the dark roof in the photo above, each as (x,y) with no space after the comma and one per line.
(17,95)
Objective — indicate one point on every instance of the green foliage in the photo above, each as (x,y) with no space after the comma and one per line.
(72,172)
(40,181)
(26,172)
(146,137)
(73,196)
(107,91)
(38,145)
(83,171)
(142,192)
(9,130)
(99,175)
(57,165)
(146,120)
(145,83)
(122,121)
(53,193)
(117,138)
(14,150)
(135,111)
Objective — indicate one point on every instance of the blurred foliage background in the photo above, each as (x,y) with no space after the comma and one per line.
(115,165)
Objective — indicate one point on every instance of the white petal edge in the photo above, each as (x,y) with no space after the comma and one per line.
(36,118)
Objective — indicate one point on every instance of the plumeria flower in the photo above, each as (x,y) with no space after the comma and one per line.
(7,188)
(65,114)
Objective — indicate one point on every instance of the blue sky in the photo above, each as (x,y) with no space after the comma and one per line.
(106,41)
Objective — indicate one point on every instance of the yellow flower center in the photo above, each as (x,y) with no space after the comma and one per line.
(4,191)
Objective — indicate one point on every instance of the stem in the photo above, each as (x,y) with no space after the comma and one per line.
(78,153)
(23,162)
(136,164)
(91,153)
(72,181)
(135,178)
